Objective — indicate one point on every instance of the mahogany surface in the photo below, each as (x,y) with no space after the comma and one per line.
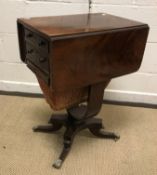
(78,54)
(95,58)
(74,57)
(53,26)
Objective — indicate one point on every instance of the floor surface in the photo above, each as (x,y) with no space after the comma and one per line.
(23,152)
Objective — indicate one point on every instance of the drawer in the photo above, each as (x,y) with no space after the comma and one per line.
(40,43)
(36,58)
(39,73)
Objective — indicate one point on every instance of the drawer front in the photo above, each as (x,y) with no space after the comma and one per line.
(40,61)
(39,73)
(40,43)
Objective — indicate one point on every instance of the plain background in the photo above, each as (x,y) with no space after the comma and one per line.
(15,76)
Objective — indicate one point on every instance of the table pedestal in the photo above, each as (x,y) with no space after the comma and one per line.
(80,117)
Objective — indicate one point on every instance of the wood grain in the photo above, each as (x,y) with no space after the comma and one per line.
(80,51)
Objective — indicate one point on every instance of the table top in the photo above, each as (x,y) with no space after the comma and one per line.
(77,24)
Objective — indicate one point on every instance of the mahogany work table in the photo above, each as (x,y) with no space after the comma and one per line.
(74,58)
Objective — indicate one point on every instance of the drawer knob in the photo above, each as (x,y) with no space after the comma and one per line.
(41,43)
(30,51)
(29,35)
(42,59)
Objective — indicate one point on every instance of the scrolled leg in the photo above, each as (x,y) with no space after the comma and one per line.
(55,123)
(97,130)
(47,128)
(68,140)
(66,148)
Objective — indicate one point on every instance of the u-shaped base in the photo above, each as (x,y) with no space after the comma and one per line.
(73,126)
(80,117)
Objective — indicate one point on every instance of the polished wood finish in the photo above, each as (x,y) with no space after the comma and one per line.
(104,47)
(53,26)
(96,58)
(74,58)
